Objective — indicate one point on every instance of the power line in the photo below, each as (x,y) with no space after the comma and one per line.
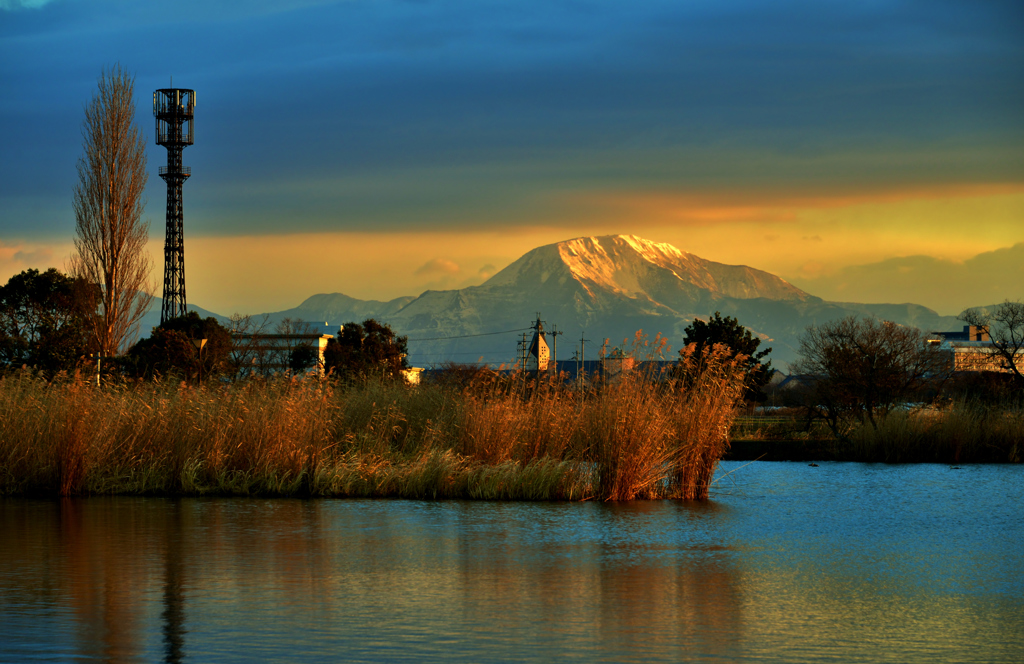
(467,336)
(471,352)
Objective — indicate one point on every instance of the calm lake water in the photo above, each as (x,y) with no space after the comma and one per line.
(787,562)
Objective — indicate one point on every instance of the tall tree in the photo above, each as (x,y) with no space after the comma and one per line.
(172,349)
(110,236)
(728,332)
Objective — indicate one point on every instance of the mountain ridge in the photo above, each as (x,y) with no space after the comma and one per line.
(599,287)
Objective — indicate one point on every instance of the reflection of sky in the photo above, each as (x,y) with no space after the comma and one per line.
(848,562)
(328,117)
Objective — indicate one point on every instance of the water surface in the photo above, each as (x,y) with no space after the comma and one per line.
(787,562)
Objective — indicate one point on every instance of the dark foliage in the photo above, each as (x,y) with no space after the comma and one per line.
(857,371)
(171,350)
(728,331)
(366,349)
(989,387)
(477,379)
(46,320)
(302,358)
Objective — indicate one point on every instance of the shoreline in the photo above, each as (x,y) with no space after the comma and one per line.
(797,450)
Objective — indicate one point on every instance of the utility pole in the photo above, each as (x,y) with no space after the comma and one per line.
(522,350)
(581,372)
(554,345)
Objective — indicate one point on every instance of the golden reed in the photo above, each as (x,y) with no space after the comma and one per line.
(492,437)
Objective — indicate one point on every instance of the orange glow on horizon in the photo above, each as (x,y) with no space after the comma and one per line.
(807,239)
(751,205)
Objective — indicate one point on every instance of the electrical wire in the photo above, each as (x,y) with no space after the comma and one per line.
(467,336)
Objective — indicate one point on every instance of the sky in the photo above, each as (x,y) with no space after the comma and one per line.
(870,151)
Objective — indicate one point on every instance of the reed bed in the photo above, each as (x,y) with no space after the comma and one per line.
(642,437)
(962,431)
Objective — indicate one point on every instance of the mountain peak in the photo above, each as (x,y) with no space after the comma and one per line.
(615,262)
(636,267)
(601,287)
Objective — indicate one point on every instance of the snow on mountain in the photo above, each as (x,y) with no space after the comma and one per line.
(598,288)
(635,267)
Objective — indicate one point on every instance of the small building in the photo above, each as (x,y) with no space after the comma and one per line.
(969,333)
(974,356)
(971,350)
(616,364)
(539,354)
(268,353)
(412,375)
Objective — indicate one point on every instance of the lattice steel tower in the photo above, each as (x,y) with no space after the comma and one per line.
(173,108)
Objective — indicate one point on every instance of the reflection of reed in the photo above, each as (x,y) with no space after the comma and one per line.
(202,579)
(101,551)
(455,572)
(605,596)
(692,605)
(102,557)
(260,544)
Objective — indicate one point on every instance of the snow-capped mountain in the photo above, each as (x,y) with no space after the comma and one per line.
(632,267)
(598,288)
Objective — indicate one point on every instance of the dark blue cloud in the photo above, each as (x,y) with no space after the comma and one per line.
(423,112)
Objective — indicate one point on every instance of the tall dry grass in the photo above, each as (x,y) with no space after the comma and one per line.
(511,439)
(962,431)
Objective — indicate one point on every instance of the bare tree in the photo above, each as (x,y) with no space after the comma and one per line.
(295,354)
(110,236)
(1005,325)
(859,370)
(249,354)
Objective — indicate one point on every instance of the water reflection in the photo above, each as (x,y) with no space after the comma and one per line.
(173,615)
(98,567)
(762,573)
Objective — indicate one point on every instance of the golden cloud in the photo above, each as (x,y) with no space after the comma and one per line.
(437,266)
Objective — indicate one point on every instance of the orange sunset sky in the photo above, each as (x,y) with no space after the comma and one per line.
(869,153)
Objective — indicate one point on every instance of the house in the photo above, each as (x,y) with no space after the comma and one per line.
(273,352)
(971,350)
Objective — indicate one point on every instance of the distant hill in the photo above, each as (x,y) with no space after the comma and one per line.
(600,287)
(335,308)
(597,288)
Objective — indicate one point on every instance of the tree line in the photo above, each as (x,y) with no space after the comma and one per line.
(855,370)
(48,322)
(851,369)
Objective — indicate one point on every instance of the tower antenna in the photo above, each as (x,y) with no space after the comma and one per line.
(173,109)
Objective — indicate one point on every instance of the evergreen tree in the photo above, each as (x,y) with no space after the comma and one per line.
(46,320)
(171,349)
(728,331)
(366,349)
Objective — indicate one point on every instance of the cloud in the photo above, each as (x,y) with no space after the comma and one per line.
(437,267)
(456,110)
(486,272)
(13,5)
(17,257)
(946,286)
